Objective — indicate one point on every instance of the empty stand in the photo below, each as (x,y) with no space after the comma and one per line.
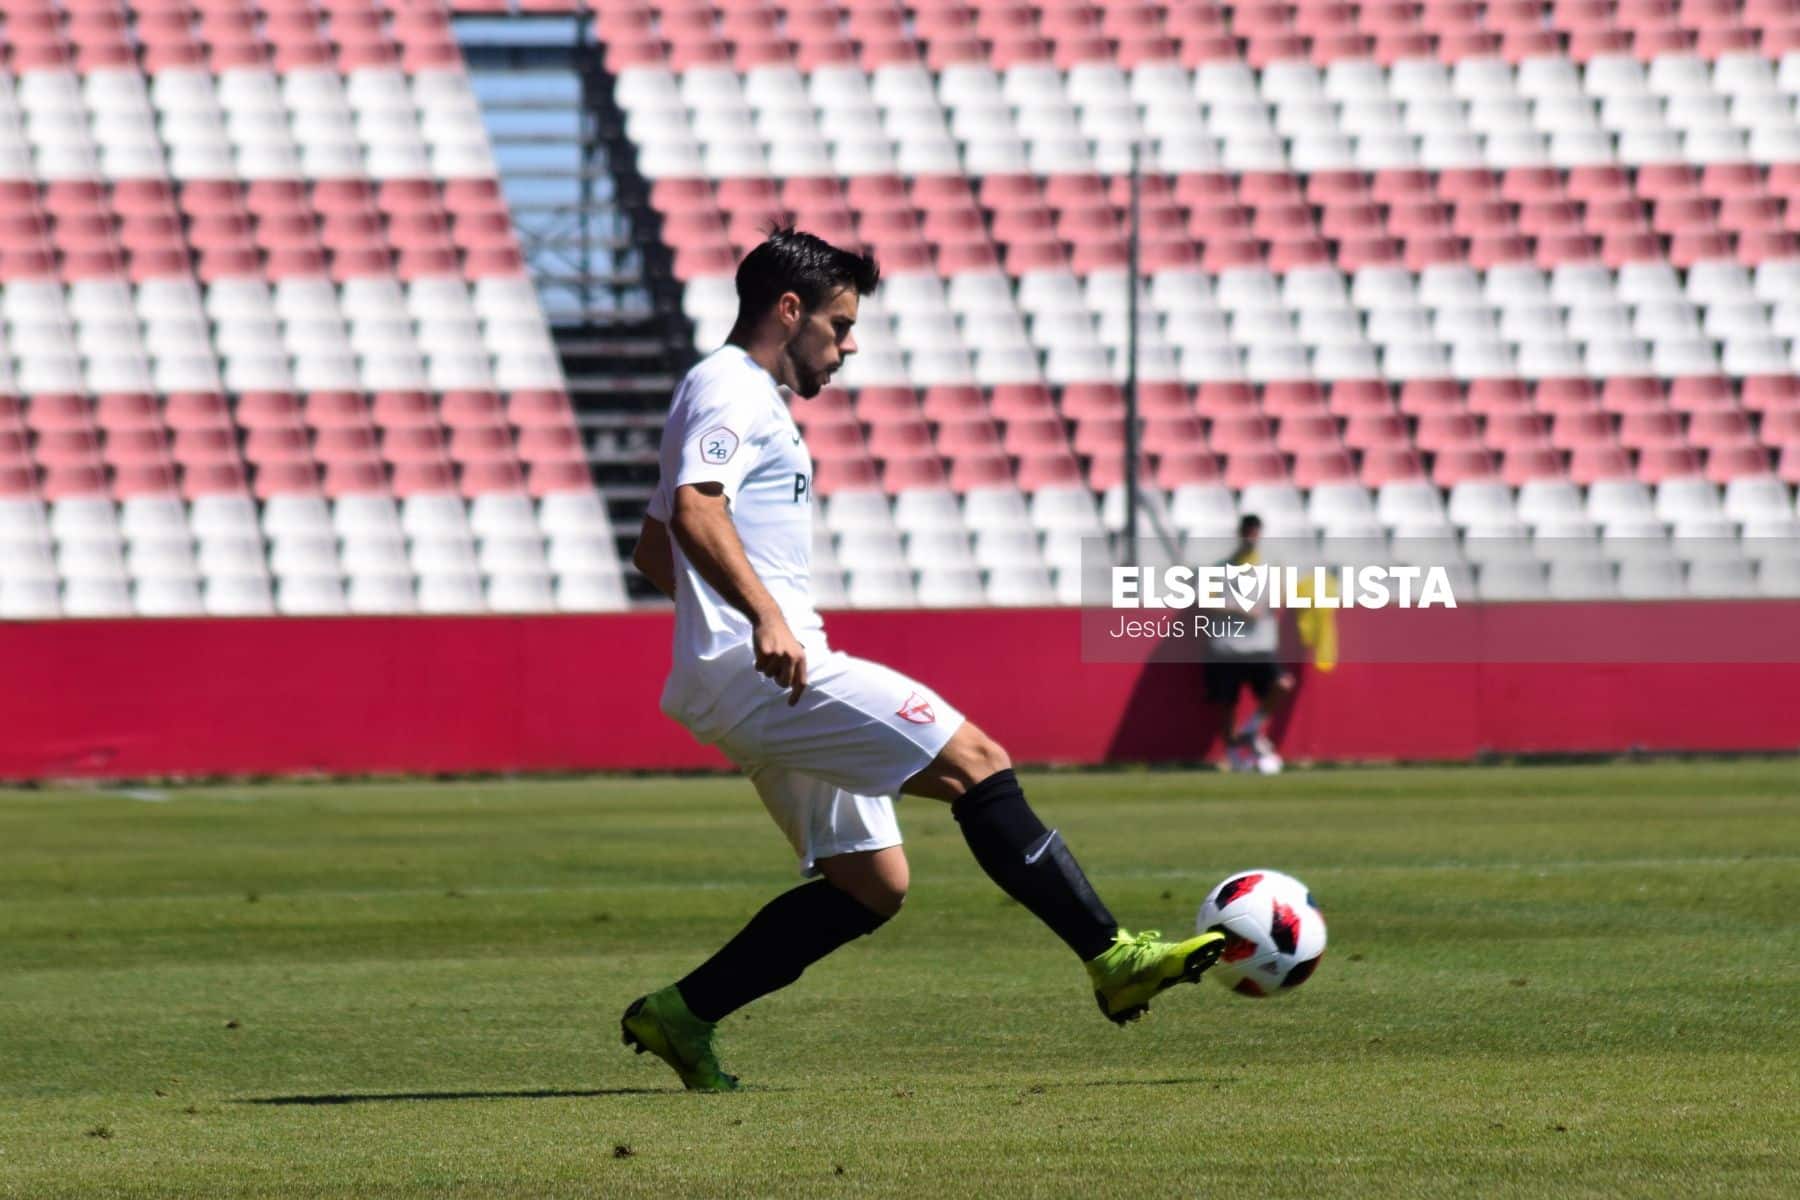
(268,338)
(1474,251)
(313,310)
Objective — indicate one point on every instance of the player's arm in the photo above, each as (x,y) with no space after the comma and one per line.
(654,558)
(702,525)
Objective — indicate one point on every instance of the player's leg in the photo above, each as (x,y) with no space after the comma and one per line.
(1034,866)
(1223,683)
(1271,685)
(854,843)
(1029,861)
(858,894)
(873,732)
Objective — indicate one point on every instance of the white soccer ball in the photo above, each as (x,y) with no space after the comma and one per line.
(1274,933)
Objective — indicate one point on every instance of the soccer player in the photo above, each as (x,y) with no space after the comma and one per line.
(1234,663)
(828,740)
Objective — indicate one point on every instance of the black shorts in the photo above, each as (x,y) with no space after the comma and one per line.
(1226,676)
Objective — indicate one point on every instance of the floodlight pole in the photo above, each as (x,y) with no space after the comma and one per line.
(1131,367)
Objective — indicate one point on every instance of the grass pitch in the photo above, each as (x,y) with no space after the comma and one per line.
(1577,981)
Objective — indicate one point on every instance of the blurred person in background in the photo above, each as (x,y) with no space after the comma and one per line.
(1248,660)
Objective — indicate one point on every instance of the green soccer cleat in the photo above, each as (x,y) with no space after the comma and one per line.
(1137,968)
(662,1024)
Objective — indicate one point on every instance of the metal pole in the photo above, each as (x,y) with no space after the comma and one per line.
(1131,371)
(584,66)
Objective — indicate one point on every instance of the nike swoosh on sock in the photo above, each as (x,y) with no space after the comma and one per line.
(1032,856)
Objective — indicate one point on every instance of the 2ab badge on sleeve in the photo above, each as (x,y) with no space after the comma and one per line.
(718,445)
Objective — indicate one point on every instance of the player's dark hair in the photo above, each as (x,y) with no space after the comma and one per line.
(1249,524)
(804,264)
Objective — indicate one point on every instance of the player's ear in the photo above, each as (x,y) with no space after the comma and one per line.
(790,310)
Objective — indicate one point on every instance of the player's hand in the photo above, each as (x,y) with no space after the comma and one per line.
(780,656)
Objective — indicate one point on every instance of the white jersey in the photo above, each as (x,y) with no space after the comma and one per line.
(729,424)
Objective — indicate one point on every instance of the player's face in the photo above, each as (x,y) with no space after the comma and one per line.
(821,341)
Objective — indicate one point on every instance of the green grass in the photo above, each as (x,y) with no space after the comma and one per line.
(1579,981)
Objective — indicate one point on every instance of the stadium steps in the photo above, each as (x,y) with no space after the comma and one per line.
(620,374)
(593,242)
(530,75)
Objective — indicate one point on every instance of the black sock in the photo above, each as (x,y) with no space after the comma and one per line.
(1031,864)
(791,933)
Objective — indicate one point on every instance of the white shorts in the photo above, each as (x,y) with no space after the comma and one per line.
(829,768)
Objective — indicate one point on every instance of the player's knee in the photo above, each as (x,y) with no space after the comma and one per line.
(889,887)
(982,758)
(878,884)
(880,898)
(885,900)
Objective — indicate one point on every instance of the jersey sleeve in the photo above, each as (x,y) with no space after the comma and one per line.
(720,436)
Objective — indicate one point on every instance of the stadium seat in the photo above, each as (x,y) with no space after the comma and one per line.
(265,268)
(1428,257)
(1512,580)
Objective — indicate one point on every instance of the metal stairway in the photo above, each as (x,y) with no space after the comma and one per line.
(591,241)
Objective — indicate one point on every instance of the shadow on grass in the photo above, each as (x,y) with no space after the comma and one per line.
(325,1098)
(519,1094)
(1178,1081)
(1058,1085)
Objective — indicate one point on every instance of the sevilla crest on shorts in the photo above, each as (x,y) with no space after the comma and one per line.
(917,709)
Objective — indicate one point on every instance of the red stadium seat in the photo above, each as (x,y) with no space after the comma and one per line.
(1284,398)
(1447,431)
(1522,464)
(1183,468)
(1376,431)
(1517,429)
(970,473)
(1641,430)
(1393,464)
(1308,433)
(1221,400)
(913,473)
(1235,434)
(952,403)
(1594,463)
(1313,468)
(901,439)
(1736,462)
(1695,394)
(1253,466)
(1462,465)
(1420,397)
(978,437)
(1714,428)
(1560,396)
(1049,470)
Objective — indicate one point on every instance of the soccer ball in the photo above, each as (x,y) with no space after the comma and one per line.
(1274,934)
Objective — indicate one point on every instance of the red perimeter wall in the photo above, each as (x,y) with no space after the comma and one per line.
(128,699)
